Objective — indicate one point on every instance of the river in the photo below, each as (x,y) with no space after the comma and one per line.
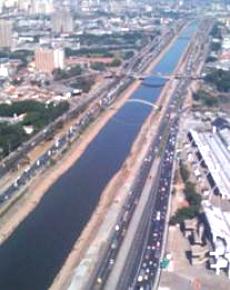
(32,256)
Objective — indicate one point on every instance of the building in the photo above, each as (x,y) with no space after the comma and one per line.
(199,254)
(62,22)
(1,5)
(213,154)
(85,5)
(219,227)
(5,34)
(41,7)
(47,59)
(10,3)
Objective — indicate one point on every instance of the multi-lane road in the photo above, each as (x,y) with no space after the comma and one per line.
(141,268)
(60,145)
(146,268)
(105,95)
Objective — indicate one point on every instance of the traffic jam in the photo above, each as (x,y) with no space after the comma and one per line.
(59,146)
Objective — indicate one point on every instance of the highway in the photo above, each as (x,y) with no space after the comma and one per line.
(143,273)
(104,100)
(10,161)
(141,268)
(61,144)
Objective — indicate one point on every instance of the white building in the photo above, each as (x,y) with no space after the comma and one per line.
(42,7)
(5,33)
(59,58)
(226,43)
(48,59)
(216,156)
(219,224)
(62,22)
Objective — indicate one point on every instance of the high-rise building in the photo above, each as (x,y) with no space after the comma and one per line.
(25,5)
(62,22)
(10,3)
(5,33)
(48,59)
(85,5)
(1,5)
(41,6)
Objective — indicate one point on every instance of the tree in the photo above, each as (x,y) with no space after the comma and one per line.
(37,115)
(182,214)
(60,74)
(219,78)
(215,46)
(216,31)
(84,84)
(128,54)
(184,172)
(98,66)
(205,98)
(115,62)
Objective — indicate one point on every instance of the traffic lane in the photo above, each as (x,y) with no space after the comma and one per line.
(35,140)
(153,250)
(44,160)
(164,196)
(131,203)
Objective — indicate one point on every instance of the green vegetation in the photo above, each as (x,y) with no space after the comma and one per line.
(182,214)
(128,54)
(127,38)
(22,55)
(216,43)
(84,84)
(205,98)
(184,173)
(60,74)
(37,115)
(18,54)
(211,59)
(98,66)
(192,197)
(163,142)
(116,41)
(88,52)
(219,78)
(11,137)
(115,62)
(44,115)
(215,46)
(216,31)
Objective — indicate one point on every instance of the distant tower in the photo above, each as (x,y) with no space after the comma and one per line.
(5,33)
(85,5)
(62,22)
(46,59)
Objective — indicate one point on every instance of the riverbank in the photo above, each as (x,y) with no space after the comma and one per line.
(47,178)
(36,190)
(114,194)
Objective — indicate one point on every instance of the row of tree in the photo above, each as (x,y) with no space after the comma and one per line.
(205,98)
(38,115)
(191,196)
(85,84)
(128,38)
(60,74)
(219,78)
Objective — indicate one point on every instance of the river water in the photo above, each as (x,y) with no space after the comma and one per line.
(31,258)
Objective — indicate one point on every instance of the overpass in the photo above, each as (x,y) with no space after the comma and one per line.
(144,102)
(163,76)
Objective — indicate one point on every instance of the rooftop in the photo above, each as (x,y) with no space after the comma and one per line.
(219,223)
(216,157)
